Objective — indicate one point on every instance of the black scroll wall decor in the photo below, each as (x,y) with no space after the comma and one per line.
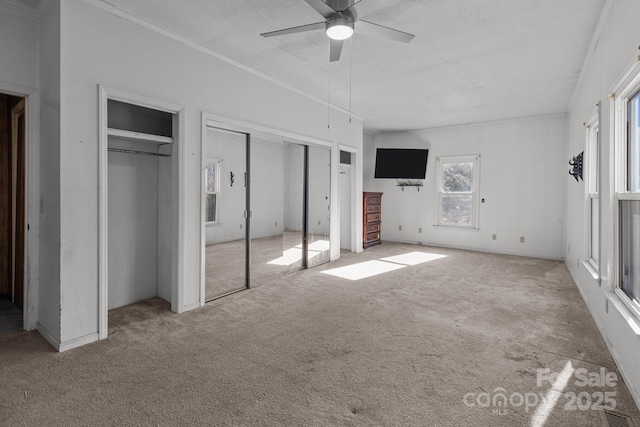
(576,166)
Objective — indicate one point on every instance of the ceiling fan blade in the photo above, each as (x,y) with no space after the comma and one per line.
(375,30)
(335,49)
(322,8)
(300,29)
(367,7)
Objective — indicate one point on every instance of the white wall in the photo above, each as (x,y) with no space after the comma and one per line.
(49,245)
(293,186)
(521,179)
(18,47)
(616,46)
(267,180)
(133,227)
(369,162)
(101,48)
(319,191)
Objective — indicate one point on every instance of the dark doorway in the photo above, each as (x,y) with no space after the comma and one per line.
(12,199)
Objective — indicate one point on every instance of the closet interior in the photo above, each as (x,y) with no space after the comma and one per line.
(140,202)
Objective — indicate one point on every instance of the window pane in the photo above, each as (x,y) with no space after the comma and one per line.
(210,186)
(457,209)
(630,247)
(595,244)
(211,207)
(592,157)
(457,177)
(633,145)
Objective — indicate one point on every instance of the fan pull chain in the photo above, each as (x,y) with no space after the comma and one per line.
(329,91)
(350,74)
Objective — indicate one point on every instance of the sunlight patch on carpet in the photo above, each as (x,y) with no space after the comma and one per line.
(413,258)
(294,254)
(543,411)
(319,245)
(363,270)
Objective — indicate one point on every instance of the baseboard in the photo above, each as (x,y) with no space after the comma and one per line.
(191,307)
(48,336)
(78,342)
(627,380)
(466,248)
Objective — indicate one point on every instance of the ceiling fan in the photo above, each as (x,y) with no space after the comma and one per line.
(342,18)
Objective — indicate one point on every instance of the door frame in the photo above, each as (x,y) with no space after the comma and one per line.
(178,222)
(18,193)
(348,170)
(214,121)
(32,196)
(355,225)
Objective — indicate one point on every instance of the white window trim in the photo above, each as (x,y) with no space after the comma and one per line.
(592,189)
(619,96)
(218,163)
(475,159)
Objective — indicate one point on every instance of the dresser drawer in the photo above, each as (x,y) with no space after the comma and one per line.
(375,228)
(371,237)
(373,208)
(373,217)
(372,200)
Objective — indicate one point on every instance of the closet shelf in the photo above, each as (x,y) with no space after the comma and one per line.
(139,137)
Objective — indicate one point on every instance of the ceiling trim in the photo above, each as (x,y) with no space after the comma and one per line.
(109,7)
(592,47)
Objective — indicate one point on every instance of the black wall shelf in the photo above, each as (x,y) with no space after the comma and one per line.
(416,184)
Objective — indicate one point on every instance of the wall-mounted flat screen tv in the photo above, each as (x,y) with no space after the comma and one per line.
(401,163)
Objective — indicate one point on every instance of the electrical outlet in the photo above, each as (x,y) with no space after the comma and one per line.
(319,223)
(240,225)
(276,223)
(494,237)
(400,227)
(521,239)
(420,230)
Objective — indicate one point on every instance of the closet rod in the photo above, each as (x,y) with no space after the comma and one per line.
(120,150)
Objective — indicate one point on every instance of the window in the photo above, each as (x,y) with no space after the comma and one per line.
(457,191)
(629,205)
(211,189)
(626,209)
(592,205)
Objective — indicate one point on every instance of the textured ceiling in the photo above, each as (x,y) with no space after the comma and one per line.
(471,60)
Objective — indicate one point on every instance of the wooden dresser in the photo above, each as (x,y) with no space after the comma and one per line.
(372,219)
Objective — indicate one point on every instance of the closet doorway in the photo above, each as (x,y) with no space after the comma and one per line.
(266,208)
(139,202)
(347,207)
(12,210)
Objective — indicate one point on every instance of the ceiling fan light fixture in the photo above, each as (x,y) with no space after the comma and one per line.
(339,28)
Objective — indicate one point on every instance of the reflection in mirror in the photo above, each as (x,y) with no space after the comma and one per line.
(319,204)
(293,169)
(288,188)
(267,208)
(225,166)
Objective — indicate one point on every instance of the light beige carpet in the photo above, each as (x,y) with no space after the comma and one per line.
(271,258)
(403,348)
